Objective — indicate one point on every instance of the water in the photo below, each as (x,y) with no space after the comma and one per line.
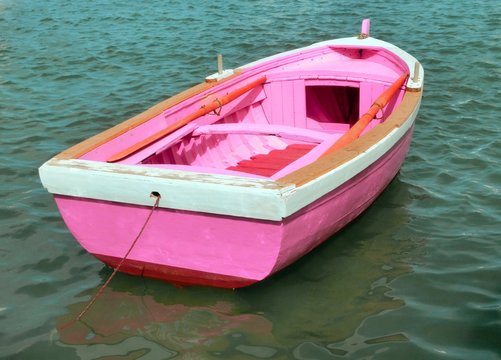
(417,276)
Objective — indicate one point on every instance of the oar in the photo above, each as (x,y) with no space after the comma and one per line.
(365,119)
(204,109)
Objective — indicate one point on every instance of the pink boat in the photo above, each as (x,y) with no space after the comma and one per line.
(246,172)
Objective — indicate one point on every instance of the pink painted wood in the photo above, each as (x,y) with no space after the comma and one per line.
(311,98)
(219,250)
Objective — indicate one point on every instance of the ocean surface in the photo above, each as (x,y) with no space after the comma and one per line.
(417,276)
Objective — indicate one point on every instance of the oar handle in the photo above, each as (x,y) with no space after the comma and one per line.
(203,110)
(356,130)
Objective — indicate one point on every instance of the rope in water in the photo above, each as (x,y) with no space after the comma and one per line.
(101,289)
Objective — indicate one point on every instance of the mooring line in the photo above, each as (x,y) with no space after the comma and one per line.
(101,289)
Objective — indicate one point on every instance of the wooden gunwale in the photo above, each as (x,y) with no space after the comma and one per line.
(93,142)
(331,161)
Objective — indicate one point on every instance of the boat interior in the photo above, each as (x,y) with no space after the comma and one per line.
(289,120)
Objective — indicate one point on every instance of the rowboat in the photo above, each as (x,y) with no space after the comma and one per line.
(234,179)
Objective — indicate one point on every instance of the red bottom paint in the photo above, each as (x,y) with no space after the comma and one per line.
(175,275)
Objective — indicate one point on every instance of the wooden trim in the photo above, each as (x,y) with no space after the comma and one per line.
(331,161)
(93,142)
(409,89)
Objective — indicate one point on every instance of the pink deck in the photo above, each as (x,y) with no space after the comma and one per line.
(221,250)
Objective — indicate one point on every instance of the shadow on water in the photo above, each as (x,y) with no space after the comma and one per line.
(319,300)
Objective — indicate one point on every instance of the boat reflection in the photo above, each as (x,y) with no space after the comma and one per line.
(124,323)
(322,299)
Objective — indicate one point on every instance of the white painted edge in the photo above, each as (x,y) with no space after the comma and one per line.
(184,190)
(206,193)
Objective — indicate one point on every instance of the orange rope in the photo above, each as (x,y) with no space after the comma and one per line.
(101,289)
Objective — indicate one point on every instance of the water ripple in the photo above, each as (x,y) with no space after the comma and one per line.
(416,276)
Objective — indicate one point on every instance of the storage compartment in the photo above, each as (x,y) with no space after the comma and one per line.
(328,105)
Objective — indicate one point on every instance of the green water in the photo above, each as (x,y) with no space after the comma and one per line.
(416,277)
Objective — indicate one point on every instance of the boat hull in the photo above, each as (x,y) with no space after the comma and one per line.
(188,247)
(246,170)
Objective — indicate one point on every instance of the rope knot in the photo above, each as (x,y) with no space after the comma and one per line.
(217,111)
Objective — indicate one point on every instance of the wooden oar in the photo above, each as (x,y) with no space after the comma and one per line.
(204,109)
(365,119)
